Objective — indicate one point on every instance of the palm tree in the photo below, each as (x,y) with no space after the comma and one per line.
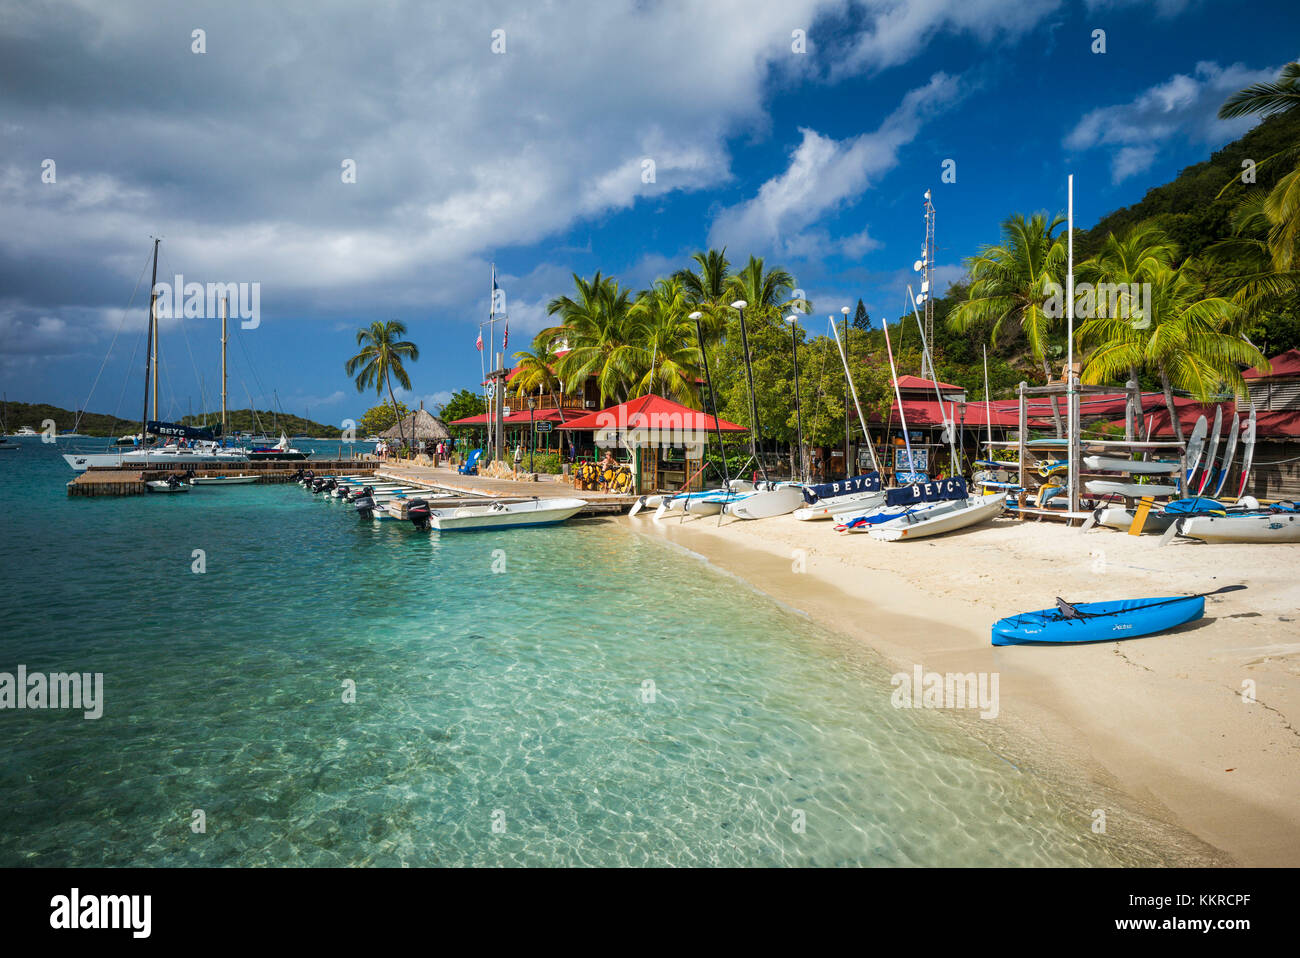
(1012,284)
(380,361)
(1123,263)
(1282,206)
(1190,341)
(664,338)
(536,371)
(707,289)
(1242,264)
(769,292)
(596,327)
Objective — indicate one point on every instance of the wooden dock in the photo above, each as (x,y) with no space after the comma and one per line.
(99,481)
(446,479)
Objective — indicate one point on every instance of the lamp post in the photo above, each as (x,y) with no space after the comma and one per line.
(532,431)
(713,399)
(739,306)
(844,311)
(793,320)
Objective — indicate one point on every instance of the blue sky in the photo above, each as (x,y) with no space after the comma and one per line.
(533,158)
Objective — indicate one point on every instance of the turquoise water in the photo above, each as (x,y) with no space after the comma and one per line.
(513,698)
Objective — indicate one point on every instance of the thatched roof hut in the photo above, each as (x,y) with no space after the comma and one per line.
(420,425)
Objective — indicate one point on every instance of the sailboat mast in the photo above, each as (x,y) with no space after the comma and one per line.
(148,355)
(224,306)
(155,361)
(988,407)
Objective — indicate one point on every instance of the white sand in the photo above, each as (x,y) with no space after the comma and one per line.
(1161,718)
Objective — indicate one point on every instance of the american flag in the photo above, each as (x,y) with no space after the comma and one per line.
(479,344)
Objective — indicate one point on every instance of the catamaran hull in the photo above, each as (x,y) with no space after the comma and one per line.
(764,505)
(834,508)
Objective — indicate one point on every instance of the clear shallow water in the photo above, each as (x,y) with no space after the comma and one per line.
(514,695)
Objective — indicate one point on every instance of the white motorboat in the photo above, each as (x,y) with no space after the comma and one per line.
(27,432)
(941,517)
(1133,466)
(169,485)
(240,480)
(497,515)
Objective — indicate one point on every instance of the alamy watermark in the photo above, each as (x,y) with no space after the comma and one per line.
(1128,301)
(182,300)
(57,690)
(946,690)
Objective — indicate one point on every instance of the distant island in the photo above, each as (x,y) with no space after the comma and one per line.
(19,414)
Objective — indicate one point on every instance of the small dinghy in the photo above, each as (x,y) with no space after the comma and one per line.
(941,517)
(1274,526)
(1148,467)
(170,484)
(1130,490)
(1102,621)
(240,480)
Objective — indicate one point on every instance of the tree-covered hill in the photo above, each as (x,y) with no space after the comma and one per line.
(19,414)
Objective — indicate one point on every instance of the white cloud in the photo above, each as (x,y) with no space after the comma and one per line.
(1184,106)
(824,175)
(897,30)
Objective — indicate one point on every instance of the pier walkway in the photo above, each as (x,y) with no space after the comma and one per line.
(445,478)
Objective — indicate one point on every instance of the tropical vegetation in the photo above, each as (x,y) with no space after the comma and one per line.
(382,359)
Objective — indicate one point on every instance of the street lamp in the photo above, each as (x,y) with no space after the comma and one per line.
(793,320)
(713,400)
(739,306)
(532,433)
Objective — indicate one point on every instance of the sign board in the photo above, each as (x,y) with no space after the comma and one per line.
(544,425)
(920,460)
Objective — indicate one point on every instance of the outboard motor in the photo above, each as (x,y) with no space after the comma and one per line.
(319,485)
(345,492)
(364,503)
(417,510)
(308,477)
(174,481)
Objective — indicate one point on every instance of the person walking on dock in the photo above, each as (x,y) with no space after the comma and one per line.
(519,457)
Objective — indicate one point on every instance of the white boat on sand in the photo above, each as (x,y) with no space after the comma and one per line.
(782,500)
(941,517)
(1260,527)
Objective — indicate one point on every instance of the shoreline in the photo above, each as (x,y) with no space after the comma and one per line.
(1159,720)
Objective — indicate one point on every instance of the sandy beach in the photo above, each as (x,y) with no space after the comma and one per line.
(1167,721)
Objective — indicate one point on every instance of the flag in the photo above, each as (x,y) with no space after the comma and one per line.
(479,344)
(505,337)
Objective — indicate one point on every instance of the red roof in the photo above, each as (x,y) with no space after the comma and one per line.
(1283,364)
(651,412)
(552,415)
(916,382)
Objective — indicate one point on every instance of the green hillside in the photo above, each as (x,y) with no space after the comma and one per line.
(1189,207)
(19,414)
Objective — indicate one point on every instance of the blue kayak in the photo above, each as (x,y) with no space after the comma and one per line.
(1099,621)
